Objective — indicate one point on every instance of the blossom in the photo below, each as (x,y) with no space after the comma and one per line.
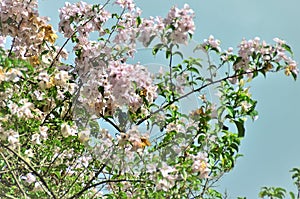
(29,153)
(245,105)
(2,41)
(84,160)
(61,77)
(38,186)
(67,130)
(166,170)
(81,13)
(29,178)
(126,4)
(13,138)
(182,23)
(25,109)
(43,132)
(164,185)
(291,68)
(84,135)
(201,165)
(29,29)
(35,138)
(119,83)
(212,43)
(225,56)
(174,127)
(169,177)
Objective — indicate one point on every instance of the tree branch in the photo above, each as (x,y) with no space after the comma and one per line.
(33,170)
(13,174)
(88,186)
(111,122)
(104,182)
(191,92)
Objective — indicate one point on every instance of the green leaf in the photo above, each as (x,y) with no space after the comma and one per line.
(292,195)
(287,48)
(156,48)
(231,112)
(115,15)
(168,54)
(44,52)
(240,126)
(193,69)
(138,21)
(294,76)
(101,90)
(178,53)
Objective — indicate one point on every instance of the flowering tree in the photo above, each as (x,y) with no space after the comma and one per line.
(99,126)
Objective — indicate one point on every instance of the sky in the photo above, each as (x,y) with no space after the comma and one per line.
(271,145)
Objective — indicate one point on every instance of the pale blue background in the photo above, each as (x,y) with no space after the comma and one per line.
(271,146)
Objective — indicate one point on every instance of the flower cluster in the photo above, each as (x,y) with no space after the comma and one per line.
(269,54)
(35,105)
(83,18)
(169,176)
(201,165)
(28,29)
(117,86)
(54,117)
(129,4)
(213,43)
(181,24)
(176,28)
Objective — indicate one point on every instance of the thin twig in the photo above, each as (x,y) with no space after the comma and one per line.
(110,122)
(13,174)
(88,186)
(191,92)
(33,170)
(107,181)
(170,71)
(74,181)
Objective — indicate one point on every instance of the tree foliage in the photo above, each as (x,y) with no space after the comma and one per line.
(99,126)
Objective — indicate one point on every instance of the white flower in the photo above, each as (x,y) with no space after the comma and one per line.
(35,138)
(84,160)
(44,76)
(29,153)
(43,132)
(61,78)
(13,138)
(84,136)
(163,185)
(67,131)
(201,165)
(165,170)
(29,178)
(38,186)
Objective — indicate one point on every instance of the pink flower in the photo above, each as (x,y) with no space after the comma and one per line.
(67,130)
(166,170)
(2,41)
(126,4)
(201,165)
(182,23)
(212,42)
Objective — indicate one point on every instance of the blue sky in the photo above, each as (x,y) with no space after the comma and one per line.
(271,146)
